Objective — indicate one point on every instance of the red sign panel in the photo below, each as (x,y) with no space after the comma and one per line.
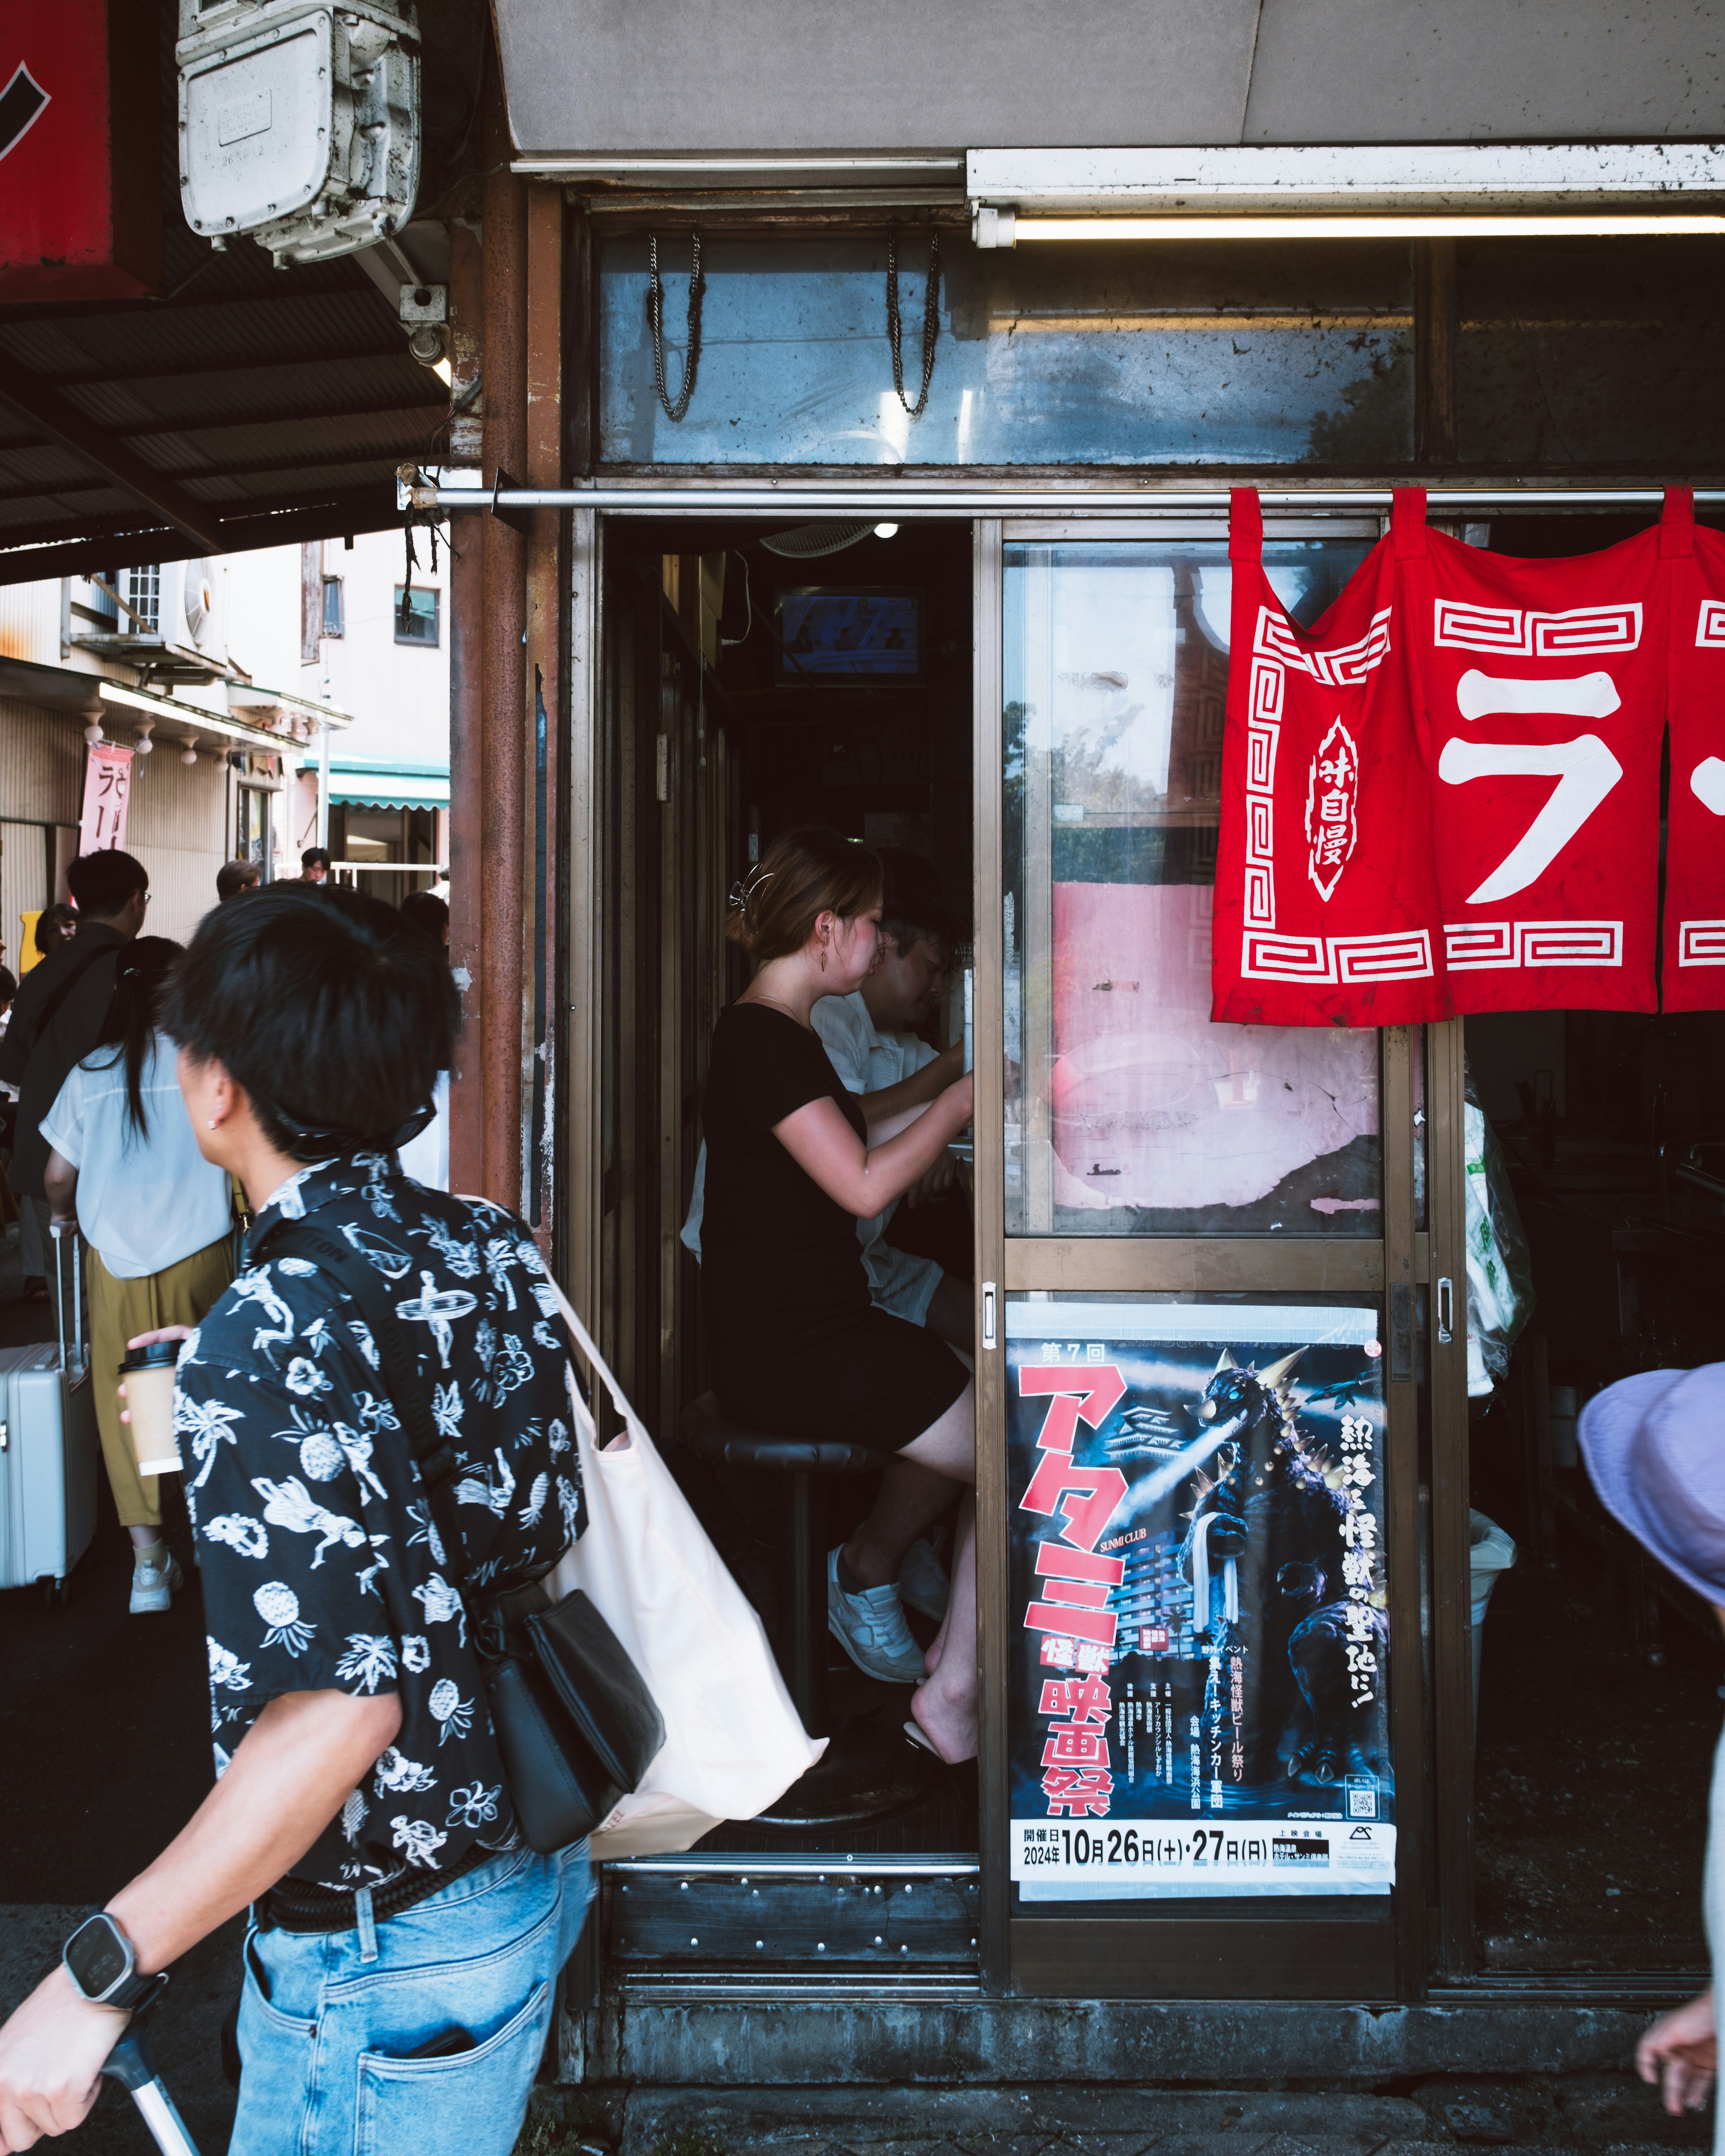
(1464,757)
(1325,895)
(81,150)
(1543,688)
(107,788)
(1693,973)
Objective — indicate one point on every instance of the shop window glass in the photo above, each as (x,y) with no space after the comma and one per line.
(1132,1113)
(415,615)
(1593,353)
(1092,353)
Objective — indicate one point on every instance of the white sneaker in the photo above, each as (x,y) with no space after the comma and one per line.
(152,1587)
(923,1582)
(870,1627)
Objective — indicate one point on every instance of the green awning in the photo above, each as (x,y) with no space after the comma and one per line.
(370,781)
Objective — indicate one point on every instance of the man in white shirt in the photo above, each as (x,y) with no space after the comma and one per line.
(870,1038)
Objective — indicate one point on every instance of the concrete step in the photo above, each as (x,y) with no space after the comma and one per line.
(1601,2114)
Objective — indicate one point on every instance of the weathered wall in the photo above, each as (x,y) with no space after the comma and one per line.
(176,822)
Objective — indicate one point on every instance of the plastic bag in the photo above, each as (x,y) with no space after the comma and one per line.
(733,1741)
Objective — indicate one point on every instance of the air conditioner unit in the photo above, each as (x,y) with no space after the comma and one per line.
(299,123)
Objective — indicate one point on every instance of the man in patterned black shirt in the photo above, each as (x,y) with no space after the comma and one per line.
(398,1984)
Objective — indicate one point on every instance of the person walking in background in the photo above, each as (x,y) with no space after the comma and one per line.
(1651,1447)
(234,879)
(314,865)
(61,1011)
(125,1171)
(427,911)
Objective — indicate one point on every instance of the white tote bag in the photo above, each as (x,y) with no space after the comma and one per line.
(733,1741)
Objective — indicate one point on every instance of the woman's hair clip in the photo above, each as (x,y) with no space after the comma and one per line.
(744,889)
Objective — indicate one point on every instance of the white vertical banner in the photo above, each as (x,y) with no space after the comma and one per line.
(107,789)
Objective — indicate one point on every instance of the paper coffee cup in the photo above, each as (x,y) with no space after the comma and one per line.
(148,1375)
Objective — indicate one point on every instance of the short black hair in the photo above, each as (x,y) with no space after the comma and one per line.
(912,909)
(51,917)
(319,854)
(234,877)
(332,1012)
(8,985)
(102,883)
(427,911)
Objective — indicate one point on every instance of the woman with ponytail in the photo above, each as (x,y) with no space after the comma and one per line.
(125,1171)
(796,1346)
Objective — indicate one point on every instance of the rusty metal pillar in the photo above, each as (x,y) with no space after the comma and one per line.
(467,613)
(505,716)
(543,466)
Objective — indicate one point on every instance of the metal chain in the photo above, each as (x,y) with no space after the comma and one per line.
(656,317)
(930,321)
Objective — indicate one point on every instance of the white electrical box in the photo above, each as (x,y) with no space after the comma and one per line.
(299,123)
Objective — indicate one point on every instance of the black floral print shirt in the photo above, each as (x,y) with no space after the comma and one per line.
(322,1567)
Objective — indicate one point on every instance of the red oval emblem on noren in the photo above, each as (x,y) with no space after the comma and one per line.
(1331,808)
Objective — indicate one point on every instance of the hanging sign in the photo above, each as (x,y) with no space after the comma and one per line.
(107,788)
(81,151)
(1325,897)
(1198,1589)
(1542,693)
(1506,719)
(1692,976)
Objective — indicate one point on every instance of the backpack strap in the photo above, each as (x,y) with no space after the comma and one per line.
(51,1009)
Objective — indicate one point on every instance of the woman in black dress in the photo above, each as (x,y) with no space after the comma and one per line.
(796,1347)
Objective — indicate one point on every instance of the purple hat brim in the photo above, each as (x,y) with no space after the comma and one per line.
(1610,1424)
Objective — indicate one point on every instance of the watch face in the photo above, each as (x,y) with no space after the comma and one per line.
(96,1956)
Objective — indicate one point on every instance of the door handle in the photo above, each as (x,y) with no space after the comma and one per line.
(988,1298)
(1446,1313)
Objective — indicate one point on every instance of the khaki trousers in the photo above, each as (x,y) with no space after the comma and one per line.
(120,1309)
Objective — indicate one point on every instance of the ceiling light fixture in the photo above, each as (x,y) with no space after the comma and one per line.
(1005,228)
(886,531)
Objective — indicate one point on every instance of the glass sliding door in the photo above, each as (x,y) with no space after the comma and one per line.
(1199,1458)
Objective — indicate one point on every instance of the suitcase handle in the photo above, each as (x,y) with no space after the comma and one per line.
(58,1230)
(131,2064)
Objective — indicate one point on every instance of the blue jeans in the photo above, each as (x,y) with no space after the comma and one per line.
(332,2038)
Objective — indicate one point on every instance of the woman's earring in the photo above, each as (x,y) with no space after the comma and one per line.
(823,957)
(211,1122)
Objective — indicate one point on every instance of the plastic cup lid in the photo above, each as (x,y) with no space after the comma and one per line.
(154,1355)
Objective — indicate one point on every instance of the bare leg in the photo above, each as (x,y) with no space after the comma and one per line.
(945,1708)
(915,1490)
(909,1500)
(951,1315)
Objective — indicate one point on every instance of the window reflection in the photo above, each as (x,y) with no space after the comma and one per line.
(1133,1114)
(1099,354)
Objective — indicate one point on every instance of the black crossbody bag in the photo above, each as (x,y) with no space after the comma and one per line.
(576,1727)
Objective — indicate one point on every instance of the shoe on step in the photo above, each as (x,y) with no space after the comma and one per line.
(153,1586)
(869,1626)
(923,1582)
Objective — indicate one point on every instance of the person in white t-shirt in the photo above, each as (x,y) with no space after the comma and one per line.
(124,1170)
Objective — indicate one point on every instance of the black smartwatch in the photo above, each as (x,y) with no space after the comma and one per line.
(100,1959)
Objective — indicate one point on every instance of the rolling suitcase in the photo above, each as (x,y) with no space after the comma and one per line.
(49,1452)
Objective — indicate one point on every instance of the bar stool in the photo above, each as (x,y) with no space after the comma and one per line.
(870,1769)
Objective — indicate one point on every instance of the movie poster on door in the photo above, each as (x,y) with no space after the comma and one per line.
(1199,1601)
